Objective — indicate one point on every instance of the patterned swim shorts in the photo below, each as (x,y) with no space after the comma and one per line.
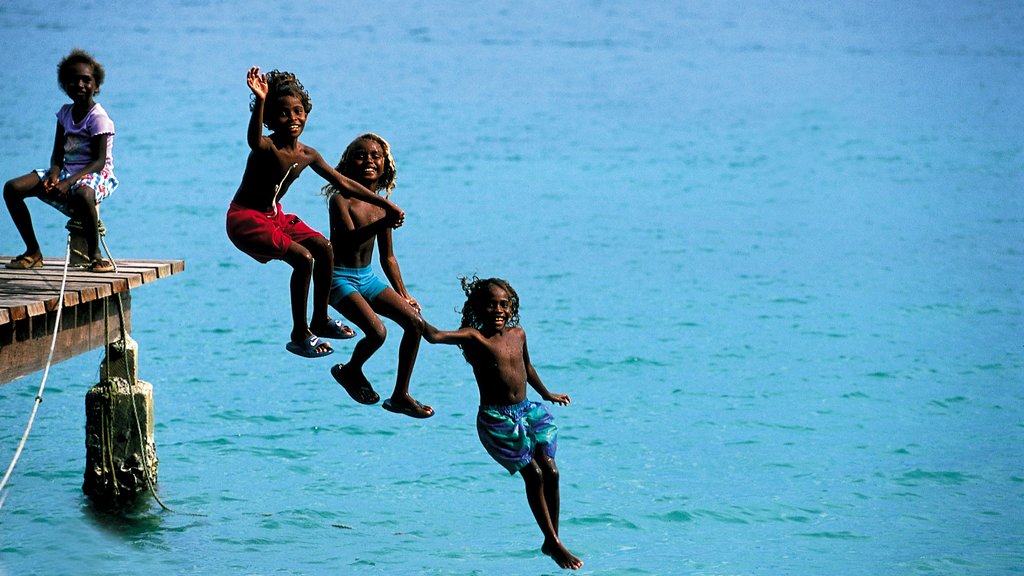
(103,184)
(511,434)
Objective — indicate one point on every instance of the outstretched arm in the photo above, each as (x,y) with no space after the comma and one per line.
(534,380)
(352,189)
(258,84)
(460,336)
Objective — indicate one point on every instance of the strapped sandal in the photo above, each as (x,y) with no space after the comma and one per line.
(25,262)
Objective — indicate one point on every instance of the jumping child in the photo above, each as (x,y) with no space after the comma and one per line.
(357,292)
(81,172)
(518,433)
(258,226)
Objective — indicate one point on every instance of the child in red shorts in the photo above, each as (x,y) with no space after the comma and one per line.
(256,223)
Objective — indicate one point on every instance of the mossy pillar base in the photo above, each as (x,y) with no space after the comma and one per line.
(120,450)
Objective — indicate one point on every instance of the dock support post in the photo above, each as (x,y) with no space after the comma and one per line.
(120,449)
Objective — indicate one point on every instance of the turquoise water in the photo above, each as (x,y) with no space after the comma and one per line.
(773,251)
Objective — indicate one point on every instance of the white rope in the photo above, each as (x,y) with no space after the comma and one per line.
(46,373)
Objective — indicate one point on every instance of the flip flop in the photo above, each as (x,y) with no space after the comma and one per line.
(416,410)
(101,265)
(307,348)
(334,329)
(25,262)
(362,393)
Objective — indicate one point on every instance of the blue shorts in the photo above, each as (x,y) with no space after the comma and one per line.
(360,281)
(103,183)
(512,434)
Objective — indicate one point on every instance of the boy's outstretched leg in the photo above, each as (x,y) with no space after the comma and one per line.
(533,478)
(390,304)
(302,342)
(551,494)
(321,323)
(15,193)
(355,308)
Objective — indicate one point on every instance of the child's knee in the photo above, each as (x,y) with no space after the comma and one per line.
(546,464)
(12,189)
(377,334)
(83,197)
(415,325)
(320,247)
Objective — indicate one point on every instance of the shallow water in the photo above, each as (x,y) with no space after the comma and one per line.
(772,251)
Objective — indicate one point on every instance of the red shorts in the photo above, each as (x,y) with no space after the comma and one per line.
(264,235)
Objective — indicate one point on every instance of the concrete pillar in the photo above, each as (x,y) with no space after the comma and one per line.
(118,458)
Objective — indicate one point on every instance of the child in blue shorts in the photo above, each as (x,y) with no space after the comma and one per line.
(518,433)
(81,171)
(356,227)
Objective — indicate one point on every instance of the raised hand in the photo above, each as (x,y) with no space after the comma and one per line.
(257,82)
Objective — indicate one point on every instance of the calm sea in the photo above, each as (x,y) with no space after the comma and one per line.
(773,250)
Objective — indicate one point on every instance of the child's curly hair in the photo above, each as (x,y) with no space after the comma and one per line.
(281,83)
(386,182)
(79,56)
(476,293)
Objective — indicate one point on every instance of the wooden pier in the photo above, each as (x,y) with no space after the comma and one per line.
(28,310)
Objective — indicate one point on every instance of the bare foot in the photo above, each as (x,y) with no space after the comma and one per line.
(561,555)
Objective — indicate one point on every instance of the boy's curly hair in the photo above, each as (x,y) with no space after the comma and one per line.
(476,293)
(281,83)
(386,182)
(79,56)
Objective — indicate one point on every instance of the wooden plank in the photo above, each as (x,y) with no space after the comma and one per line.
(26,293)
(27,356)
(29,301)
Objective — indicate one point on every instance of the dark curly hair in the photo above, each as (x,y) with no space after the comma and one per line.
(79,56)
(281,83)
(476,299)
(476,295)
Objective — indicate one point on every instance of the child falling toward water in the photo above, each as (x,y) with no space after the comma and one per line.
(81,172)
(256,223)
(357,292)
(518,433)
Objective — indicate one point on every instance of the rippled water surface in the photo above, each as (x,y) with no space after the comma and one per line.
(772,250)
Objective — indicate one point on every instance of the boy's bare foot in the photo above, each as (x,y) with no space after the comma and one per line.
(561,555)
(355,383)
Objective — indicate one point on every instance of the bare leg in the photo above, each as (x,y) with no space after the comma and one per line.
(15,192)
(301,261)
(83,204)
(551,493)
(534,479)
(393,306)
(323,266)
(355,308)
